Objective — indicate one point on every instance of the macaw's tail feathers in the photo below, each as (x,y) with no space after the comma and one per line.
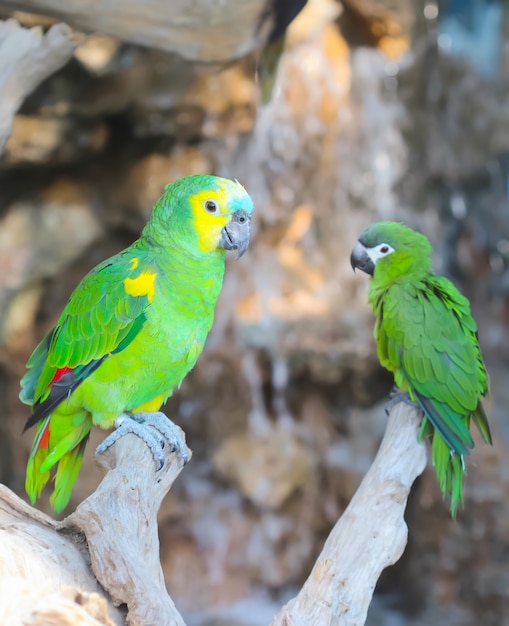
(449,467)
(452,426)
(59,441)
(481,421)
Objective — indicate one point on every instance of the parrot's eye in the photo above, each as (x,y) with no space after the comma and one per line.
(380,251)
(211,206)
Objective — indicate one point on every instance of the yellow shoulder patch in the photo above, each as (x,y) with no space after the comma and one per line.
(142,285)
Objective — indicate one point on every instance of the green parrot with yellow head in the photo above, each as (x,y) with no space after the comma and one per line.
(133,328)
(427,337)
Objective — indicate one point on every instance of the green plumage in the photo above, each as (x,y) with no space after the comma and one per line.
(133,328)
(427,337)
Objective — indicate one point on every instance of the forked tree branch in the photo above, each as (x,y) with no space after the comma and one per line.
(116,530)
(110,542)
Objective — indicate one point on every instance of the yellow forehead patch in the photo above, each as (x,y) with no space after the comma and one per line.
(142,285)
(208,225)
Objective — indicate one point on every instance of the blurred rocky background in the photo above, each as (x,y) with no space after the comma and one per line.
(380,110)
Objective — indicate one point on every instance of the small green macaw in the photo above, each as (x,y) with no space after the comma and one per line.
(132,329)
(427,337)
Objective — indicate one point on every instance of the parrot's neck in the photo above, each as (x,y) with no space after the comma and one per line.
(197,277)
(379,286)
(399,268)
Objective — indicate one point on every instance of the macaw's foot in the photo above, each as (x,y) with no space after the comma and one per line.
(155,429)
(396,396)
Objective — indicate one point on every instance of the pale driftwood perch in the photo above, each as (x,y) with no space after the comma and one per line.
(119,521)
(199,31)
(370,535)
(38,555)
(37,562)
(27,57)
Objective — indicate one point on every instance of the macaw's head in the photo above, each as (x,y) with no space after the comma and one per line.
(392,252)
(203,215)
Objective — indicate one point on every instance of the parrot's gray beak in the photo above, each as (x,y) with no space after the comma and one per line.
(236,234)
(361,259)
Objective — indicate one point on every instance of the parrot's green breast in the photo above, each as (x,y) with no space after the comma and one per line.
(145,373)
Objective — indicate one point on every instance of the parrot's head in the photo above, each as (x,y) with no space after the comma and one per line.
(389,251)
(205,214)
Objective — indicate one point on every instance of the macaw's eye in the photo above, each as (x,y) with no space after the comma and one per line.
(384,249)
(211,206)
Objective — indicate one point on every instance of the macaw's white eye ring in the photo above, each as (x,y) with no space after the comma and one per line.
(211,206)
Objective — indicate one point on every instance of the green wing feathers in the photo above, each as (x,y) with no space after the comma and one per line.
(100,319)
(427,336)
(35,365)
(99,316)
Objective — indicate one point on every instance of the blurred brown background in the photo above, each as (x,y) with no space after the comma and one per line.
(380,110)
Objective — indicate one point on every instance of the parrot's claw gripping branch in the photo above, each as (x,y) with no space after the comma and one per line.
(155,429)
(396,396)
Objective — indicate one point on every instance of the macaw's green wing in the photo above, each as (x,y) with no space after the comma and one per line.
(102,317)
(428,337)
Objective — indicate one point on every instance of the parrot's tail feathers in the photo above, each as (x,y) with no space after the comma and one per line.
(481,421)
(66,474)
(449,467)
(36,478)
(456,471)
(451,426)
(58,440)
(65,443)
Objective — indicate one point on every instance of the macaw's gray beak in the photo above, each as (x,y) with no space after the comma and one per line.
(236,234)
(360,259)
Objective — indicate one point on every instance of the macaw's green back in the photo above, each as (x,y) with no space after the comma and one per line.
(133,328)
(427,337)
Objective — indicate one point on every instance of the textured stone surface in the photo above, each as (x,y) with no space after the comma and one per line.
(266,469)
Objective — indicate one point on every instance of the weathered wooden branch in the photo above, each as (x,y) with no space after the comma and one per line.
(39,566)
(119,521)
(370,535)
(198,31)
(110,544)
(27,57)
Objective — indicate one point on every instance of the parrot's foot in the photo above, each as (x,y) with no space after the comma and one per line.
(172,434)
(396,396)
(162,431)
